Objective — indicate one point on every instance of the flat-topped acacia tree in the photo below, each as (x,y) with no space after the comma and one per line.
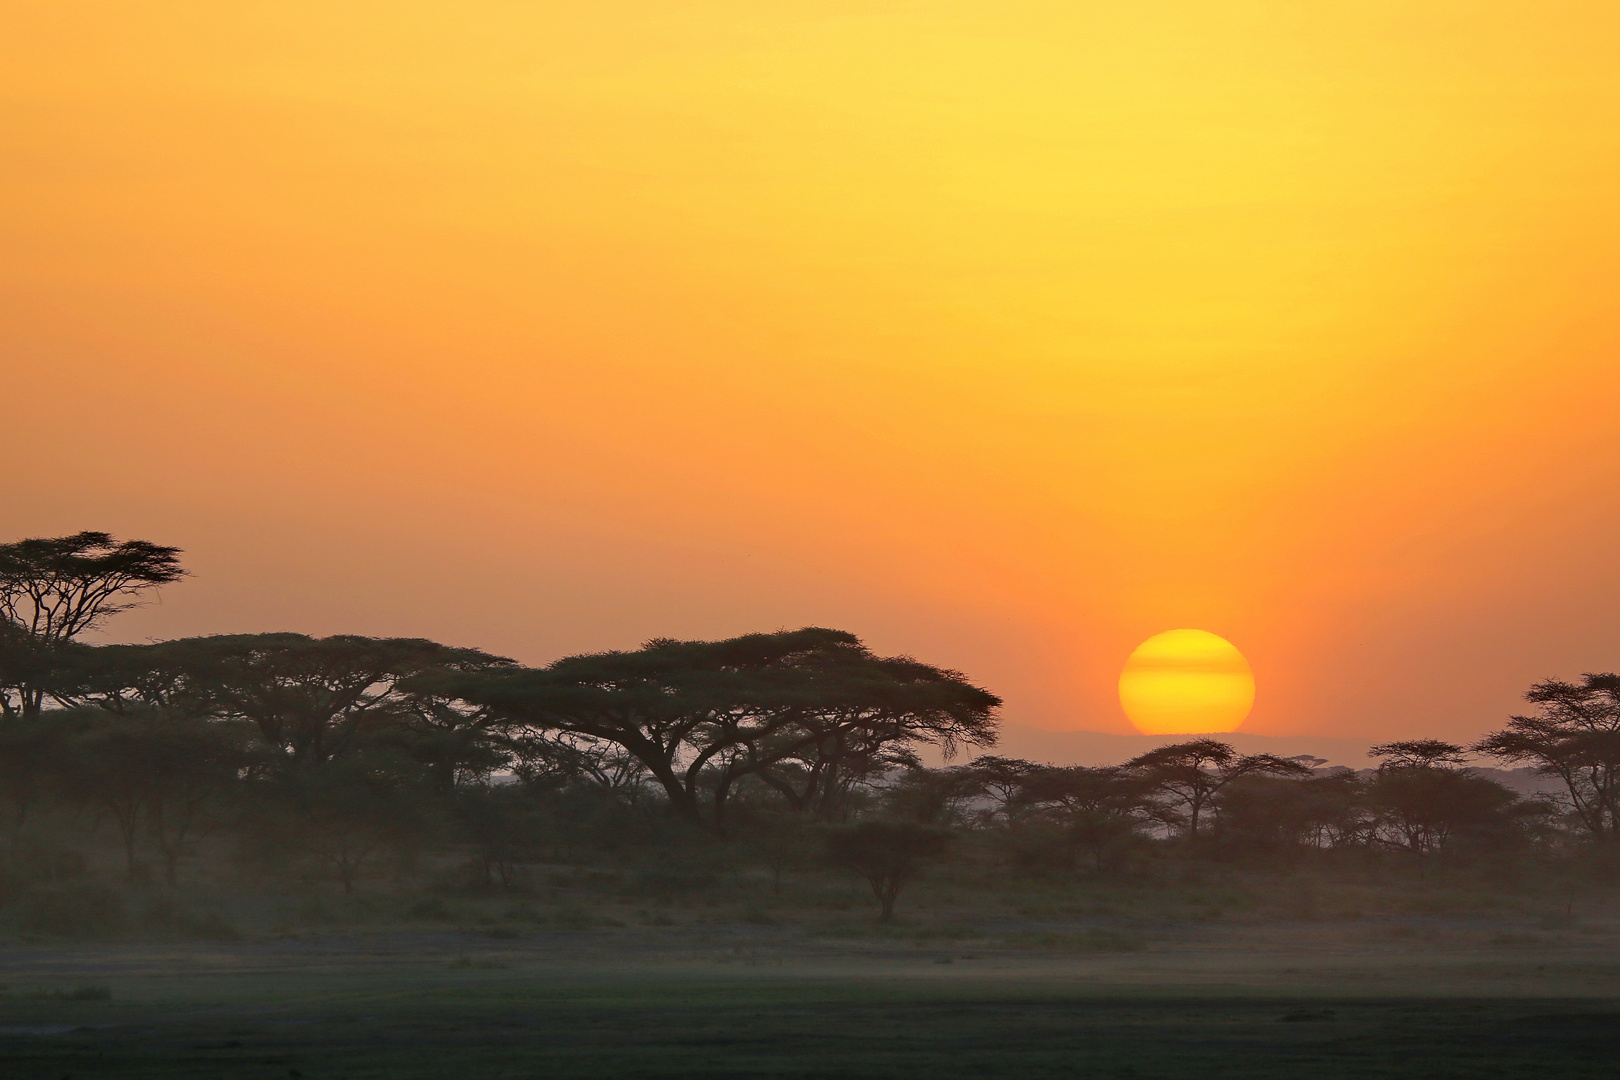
(1574,736)
(52,589)
(800,710)
(315,698)
(1192,772)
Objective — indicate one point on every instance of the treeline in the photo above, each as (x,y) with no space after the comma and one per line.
(333,751)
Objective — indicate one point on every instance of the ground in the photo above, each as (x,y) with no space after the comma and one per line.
(1391,997)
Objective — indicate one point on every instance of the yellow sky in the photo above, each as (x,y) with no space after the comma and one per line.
(1005,334)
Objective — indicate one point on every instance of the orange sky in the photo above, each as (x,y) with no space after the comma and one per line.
(1004,334)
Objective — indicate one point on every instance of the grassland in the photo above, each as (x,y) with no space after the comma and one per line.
(1228,981)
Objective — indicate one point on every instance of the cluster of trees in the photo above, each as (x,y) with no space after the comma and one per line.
(337,747)
(340,742)
(1203,795)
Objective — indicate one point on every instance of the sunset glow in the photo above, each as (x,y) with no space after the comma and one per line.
(1003,335)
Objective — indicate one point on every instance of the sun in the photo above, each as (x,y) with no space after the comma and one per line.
(1185,682)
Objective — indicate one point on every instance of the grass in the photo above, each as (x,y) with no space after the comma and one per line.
(1085,941)
(1198,971)
(389,1013)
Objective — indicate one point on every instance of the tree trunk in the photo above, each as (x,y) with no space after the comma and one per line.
(157,828)
(129,855)
(680,798)
(125,816)
(887,890)
(722,791)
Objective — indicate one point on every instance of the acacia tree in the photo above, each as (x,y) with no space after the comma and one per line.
(1003,781)
(197,764)
(931,796)
(648,702)
(1190,773)
(32,756)
(562,758)
(888,854)
(847,718)
(803,711)
(458,744)
(106,775)
(502,824)
(1424,797)
(341,812)
(29,670)
(54,589)
(316,698)
(1419,754)
(1100,809)
(156,768)
(1575,736)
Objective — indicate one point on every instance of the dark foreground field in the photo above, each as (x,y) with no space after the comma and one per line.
(750,1002)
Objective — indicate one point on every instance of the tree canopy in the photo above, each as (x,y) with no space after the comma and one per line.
(52,589)
(1193,772)
(347,750)
(803,711)
(313,697)
(1575,736)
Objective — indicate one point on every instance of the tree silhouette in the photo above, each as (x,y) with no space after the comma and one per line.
(1099,809)
(158,768)
(1002,781)
(803,711)
(1419,754)
(32,760)
(1190,773)
(341,812)
(316,698)
(502,824)
(54,589)
(931,796)
(1575,737)
(888,854)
